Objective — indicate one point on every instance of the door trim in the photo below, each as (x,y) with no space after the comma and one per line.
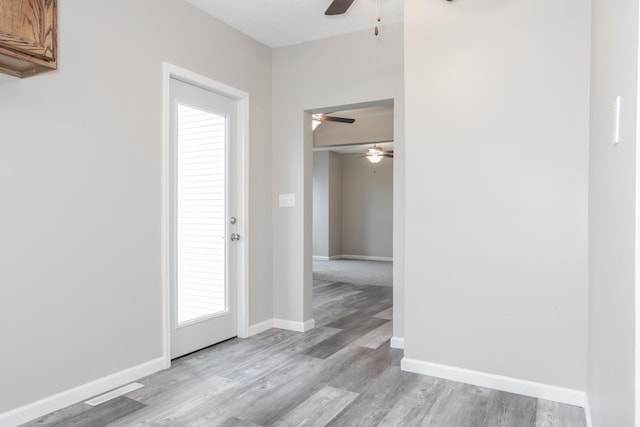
(242,170)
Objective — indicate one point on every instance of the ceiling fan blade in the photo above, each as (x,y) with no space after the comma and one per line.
(338,7)
(336,119)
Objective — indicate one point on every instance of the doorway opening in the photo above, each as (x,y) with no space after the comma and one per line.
(352,227)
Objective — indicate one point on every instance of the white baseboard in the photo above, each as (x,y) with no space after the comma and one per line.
(497,382)
(587,412)
(363,257)
(347,256)
(260,327)
(292,325)
(397,342)
(83,392)
(308,325)
(110,395)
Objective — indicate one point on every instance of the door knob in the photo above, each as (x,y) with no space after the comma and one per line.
(234,237)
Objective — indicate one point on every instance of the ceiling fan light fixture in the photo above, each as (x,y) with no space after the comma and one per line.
(315,123)
(374,154)
(374,158)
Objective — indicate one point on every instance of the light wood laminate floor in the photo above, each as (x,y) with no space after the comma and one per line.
(342,373)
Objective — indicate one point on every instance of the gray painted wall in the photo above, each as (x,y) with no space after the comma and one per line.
(367,212)
(336,168)
(364,130)
(80,178)
(321,204)
(497,115)
(612,210)
(352,206)
(327,204)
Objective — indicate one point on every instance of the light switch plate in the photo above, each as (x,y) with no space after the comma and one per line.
(287,200)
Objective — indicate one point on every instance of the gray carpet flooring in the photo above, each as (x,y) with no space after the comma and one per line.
(377,273)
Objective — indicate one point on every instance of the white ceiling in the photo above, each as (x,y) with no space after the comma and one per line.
(278,23)
(378,110)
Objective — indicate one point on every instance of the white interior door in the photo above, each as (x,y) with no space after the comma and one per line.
(202,219)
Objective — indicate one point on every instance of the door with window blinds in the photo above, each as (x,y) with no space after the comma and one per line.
(203,290)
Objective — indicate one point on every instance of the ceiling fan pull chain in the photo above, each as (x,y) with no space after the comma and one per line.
(377,30)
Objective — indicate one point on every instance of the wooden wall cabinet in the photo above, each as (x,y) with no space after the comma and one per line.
(28,36)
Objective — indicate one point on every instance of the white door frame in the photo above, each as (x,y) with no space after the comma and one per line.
(242,178)
(637,246)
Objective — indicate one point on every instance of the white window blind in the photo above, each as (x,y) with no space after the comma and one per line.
(201,184)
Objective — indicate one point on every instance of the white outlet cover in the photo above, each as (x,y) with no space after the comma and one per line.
(287,200)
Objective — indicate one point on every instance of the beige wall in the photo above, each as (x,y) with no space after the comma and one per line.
(80,178)
(612,211)
(496,187)
(367,207)
(327,204)
(355,68)
(336,195)
(352,206)
(364,130)
(321,204)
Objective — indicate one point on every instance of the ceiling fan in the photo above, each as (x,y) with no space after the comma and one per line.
(328,118)
(375,154)
(319,118)
(338,7)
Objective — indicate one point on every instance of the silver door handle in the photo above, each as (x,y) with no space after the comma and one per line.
(234,237)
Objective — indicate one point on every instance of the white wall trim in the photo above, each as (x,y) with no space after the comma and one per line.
(587,412)
(292,325)
(309,324)
(637,252)
(397,342)
(347,256)
(497,382)
(83,392)
(364,257)
(166,215)
(242,178)
(242,99)
(260,327)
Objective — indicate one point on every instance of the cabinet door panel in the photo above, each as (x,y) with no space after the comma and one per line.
(29,27)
